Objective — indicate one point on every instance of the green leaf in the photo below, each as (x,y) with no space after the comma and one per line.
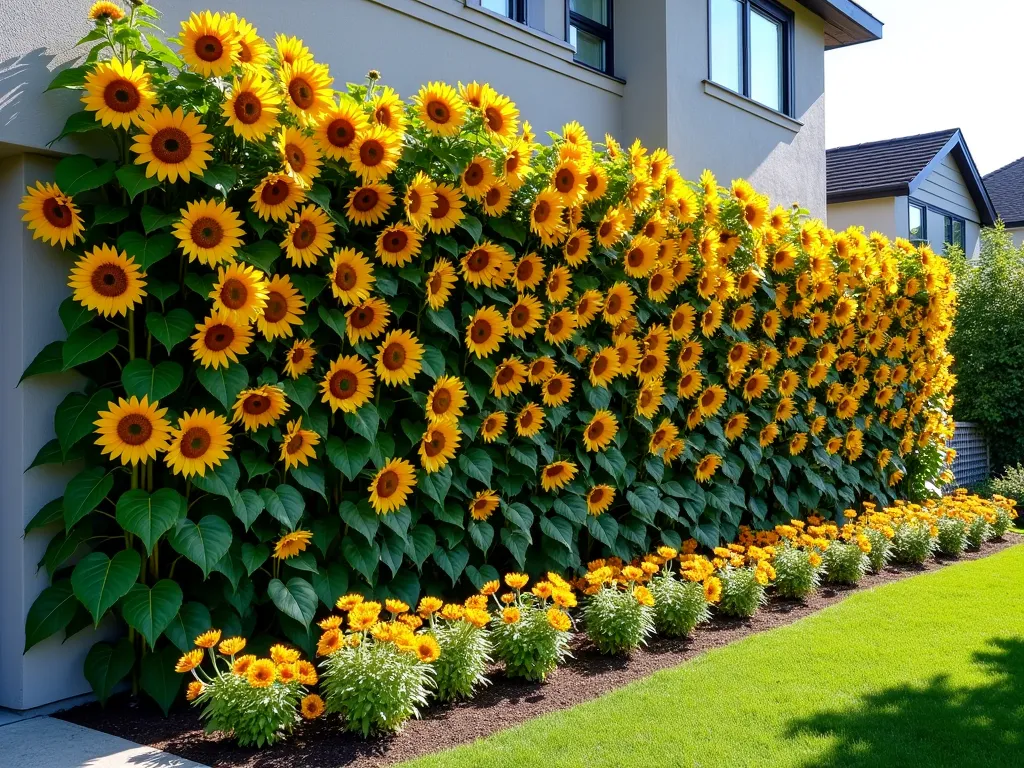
(603,528)
(192,620)
(85,345)
(295,599)
(472,225)
(559,529)
(154,218)
(106,665)
(330,582)
(224,383)
(51,612)
(516,542)
(311,477)
(443,319)
(150,516)
(256,464)
(51,513)
(134,181)
(308,285)
(361,556)
(261,254)
(221,480)
(480,576)
(476,463)
(436,484)
(482,535)
(84,493)
(348,456)
(82,121)
(73,315)
(300,391)
(146,251)
(150,611)
(161,290)
(158,678)
(645,499)
(284,504)
(79,173)
(75,416)
(220,177)
(453,562)
(364,421)
(420,543)
(159,50)
(100,581)
(51,453)
(141,379)
(49,360)
(71,77)
(508,228)
(247,506)
(253,556)
(109,214)
(204,543)
(63,546)
(433,362)
(171,329)
(361,517)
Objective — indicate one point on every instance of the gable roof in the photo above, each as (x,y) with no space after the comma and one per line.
(1006,188)
(896,167)
(846,22)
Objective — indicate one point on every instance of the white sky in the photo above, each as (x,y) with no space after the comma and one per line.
(940,64)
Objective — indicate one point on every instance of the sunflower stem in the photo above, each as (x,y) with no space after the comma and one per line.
(131,336)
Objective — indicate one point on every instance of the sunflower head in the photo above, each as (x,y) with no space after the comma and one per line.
(209,43)
(51,215)
(107,281)
(121,95)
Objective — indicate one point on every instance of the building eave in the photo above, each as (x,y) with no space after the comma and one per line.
(846,23)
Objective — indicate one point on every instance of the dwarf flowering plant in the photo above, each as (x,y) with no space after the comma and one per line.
(532,628)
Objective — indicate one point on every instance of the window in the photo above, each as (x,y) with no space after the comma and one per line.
(514,9)
(918,223)
(750,42)
(954,231)
(590,32)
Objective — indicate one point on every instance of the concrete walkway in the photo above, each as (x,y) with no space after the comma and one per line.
(45,742)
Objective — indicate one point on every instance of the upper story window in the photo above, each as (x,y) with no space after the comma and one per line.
(918,222)
(751,50)
(954,231)
(514,9)
(590,32)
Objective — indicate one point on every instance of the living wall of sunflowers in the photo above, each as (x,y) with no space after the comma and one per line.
(337,341)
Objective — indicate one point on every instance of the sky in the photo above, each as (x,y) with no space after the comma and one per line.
(940,64)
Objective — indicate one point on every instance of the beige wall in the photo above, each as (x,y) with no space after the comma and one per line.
(874,215)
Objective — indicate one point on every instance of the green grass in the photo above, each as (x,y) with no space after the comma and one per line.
(925,672)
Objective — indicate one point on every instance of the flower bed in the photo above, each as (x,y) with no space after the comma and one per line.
(340,343)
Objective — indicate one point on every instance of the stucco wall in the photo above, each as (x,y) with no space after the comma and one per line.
(874,215)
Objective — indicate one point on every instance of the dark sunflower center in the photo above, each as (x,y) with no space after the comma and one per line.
(121,96)
(248,108)
(195,442)
(707,399)
(383,116)
(395,241)
(505,374)
(520,316)
(209,48)
(657,281)
(387,484)
(436,284)
(494,119)
(442,402)
(572,246)
(274,193)
(583,306)
(493,196)
(478,260)
(435,445)
(207,232)
(255,405)
(413,201)
(234,294)
(648,364)
(344,384)
(554,472)
(542,211)
(109,280)
(441,207)
(524,271)
(171,145)
(298,356)
(565,181)
(474,174)
(438,111)
(134,429)
(57,214)
(296,157)
(525,419)
(635,257)
(296,443)
(362,317)
(595,430)
(219,337)
(491,425)
(614,305)
(596,496)
(340,132)
(277,308)
(365,200)
(555,325)
(371,153)
(394,356)
(304,234)
(600,365)
(301,93)
(345,277)
(554,387)
(554,283)
(481,331)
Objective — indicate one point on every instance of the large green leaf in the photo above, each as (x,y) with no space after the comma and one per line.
(284,504)
(63,546)
(361,556)
(159,679)
(75,416)
(70,77)
(330,582)
(106,665)
(142,379)
(364,421)
(296,599)
(220,177)
(150,516)
(51,513)
(74,315)
(192,620)
(170,329)
(79,173)
(349,456)
(224,383)
(100,581)
(253,556)
(452,561)
(51,612)
(49,360)
(300,391)
(154,219)
(220,480)
(84,492)
(204,543)
(361,517)
(146,251)
(85,345)
(151,610)
(310,477)
(134,181)
(476,463)
(420,543)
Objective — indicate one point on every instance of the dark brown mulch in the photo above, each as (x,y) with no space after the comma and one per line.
(322,744)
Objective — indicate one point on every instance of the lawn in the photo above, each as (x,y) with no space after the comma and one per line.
(927,671)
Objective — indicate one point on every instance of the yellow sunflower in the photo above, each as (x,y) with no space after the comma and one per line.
(288,546)
(557,475)
(298,445)
(568,180)
(398,358)
(546,216)
(209,43)
(300,155)
(599,498)
(600,431)
(253,51)
(486,264)
(529,272)
(375,153)
(559,284)
(618,303)
(103,12)
(283,309)
(485,332)
(419,199)
(493,427)
(736,425)
(588,305)
(367,320)
(119,94)
(440,281)
(689,384)
(201,441)
(440,108)
(707,467)
(348,384)
(648,400)
(391,486)
(398,245)
(219,340)
(447,210)
(338,127)
(652,365)
(501,117)
(446,401)
(351,276)
(509,377)
(557,390)
(525,316)
(107,281)
(628,350)
(259,407)
(438,446)
(530,420)
(252,109)
(577,248)
(209,232)
(477,177)
(368,204)
(172,145)
(604,366)
(133,430)
(559,327)
(483,504)
(276,196)
(711,400)
(300,358)
(308,88)
(51,215)
(291,49)
(240,292)
(309,236)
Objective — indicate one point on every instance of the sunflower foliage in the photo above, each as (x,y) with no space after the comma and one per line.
(619,615)
(845,562)
(743,592)
(797,572)
(531,631)
(335,340)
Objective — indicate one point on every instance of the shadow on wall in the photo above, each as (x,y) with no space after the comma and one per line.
(28,73)
(932,725)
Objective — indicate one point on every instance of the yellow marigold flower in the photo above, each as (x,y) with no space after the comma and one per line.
(195,688)
(261,673)
(312,706)
(208,639)
(242,663)
(396,606)
(510,615)
(282,654)
(231,646)
(643,596)
(490,587)
(429,606)
(516,580)
(559,619)
(189,661)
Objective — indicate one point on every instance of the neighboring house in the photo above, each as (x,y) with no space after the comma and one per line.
(732,85)
(925,188)
(1006,188)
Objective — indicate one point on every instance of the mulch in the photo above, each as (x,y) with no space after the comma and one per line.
(505,703)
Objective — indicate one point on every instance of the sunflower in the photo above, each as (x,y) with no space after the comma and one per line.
(689,384)
(103,12)
(259,407)
(51,215)
(797,443)
(599,498)
(351,276)
(339,126)
(496,199)
(587,306)
(391,486)
(375,153)
(440,281)
(627,349)
(201,441)
(755,385)
(604,367)
(276,196)
(398,244)
(530,420)
(618,303)
(477,177)
(298,445)
(648,400)
(398,358)
(546,216)
(486,264)
(284,305)
(600,431)
(253,51)
(652,365)
(119,94)
(641,257)
(557,475)
(707,467)
(500,115)
(310,234)
(107,281)
(209,44)
(559,327)
(438,446)
(300,358)
(240,292)
(577,247)
(485,332)
(483,504)
(300,155)
(559,284)
(557,390)
(446,401)
(524,317)
(447,210)
(209,232)
(348,384)
(367,320)
(768,434)
(368,204)
(611,228)
(291,49)
(493,426)
(711,400)
(568,180)
(516,165)
(220,339)
(419,199)
(736,425)
(509,377)
(388,109)
(133,430)
(252,109)
(172,145)
(308,88)
(541,369)
(529,272)
(440,108)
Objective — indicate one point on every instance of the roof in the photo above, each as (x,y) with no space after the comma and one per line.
(1006,188)
(896,167)
(846,23)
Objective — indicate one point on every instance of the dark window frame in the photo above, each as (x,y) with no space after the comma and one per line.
(924,221)
(604,31)
(515,10)
(786,19)
(948,220)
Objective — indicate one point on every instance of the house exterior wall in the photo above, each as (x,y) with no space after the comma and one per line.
(877,215)
(943,191)
(1018,236)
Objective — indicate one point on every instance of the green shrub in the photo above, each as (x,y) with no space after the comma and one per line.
(881,549)
(465,654)
(742,594)
(1010,484)
(535,643)
(679,606)
(257,717)
(844,563)
(912,543)
(1001,525)
(619,620)
(978,532)
(796,574)
(952,538)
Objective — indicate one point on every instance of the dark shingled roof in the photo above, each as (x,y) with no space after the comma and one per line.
(880,168)
(1006,188)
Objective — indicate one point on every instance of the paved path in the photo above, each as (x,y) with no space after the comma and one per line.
(44,742)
